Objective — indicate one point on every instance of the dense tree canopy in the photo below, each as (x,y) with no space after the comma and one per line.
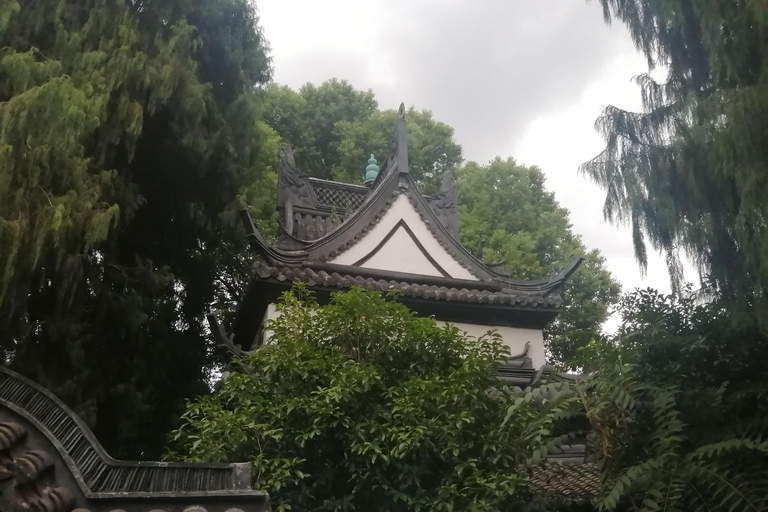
(127,131)
(506,214)
(361,405)
(690,172)
(678,402)
(679,396)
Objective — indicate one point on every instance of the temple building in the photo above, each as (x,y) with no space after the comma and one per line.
(385,235)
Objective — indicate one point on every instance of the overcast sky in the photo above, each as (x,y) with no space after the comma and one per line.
(520,78)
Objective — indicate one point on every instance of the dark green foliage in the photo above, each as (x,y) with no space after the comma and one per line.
(128,130)
(334,128)
(508,216)
(360,405)
(679,399)
(679,405)
(690,173)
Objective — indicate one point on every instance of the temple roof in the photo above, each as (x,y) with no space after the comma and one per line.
(388,237)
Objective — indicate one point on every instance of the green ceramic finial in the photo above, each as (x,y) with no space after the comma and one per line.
(371,171)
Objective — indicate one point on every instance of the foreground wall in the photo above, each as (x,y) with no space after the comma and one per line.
(51,462)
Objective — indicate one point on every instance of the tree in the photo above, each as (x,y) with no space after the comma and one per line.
(361,405)
(432,150)
(507,216)
(679,398)
(128,137)
(678,404)
(307,119)
(690,172)
(334,128)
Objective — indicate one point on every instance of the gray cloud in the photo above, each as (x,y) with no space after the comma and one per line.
(489,67)
(486,67)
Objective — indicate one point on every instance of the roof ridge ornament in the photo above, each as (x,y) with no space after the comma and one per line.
(401,141)
(292,187)
(371,171)
(444,204)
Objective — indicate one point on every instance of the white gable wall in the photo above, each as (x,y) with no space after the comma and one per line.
(400,253)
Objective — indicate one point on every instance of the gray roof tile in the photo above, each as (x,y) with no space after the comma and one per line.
(424,291)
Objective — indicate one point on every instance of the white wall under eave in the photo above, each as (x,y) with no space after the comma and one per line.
(513,337)
(400,253)
(271,314)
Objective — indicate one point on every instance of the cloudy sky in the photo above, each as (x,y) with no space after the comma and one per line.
(520,78)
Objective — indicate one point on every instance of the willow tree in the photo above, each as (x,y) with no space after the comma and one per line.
(690,172)
(127,131)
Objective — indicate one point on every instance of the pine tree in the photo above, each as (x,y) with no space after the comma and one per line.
(690,172)
(127,130)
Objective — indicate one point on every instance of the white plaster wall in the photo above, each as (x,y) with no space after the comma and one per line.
(271,314)
(398,255)
(513,337)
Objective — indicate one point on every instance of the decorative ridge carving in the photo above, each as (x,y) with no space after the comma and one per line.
(293,189)
(524,353)
(97,474)
(445,204)
(397,159)
(546,286)
(400,153)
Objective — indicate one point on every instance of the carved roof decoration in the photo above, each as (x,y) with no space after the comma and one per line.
(51,462)
(310,207)
(445,204)
(307,205)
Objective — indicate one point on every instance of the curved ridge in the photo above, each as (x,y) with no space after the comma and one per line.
(98,474)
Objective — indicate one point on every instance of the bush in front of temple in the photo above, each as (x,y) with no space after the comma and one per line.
(361,405)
